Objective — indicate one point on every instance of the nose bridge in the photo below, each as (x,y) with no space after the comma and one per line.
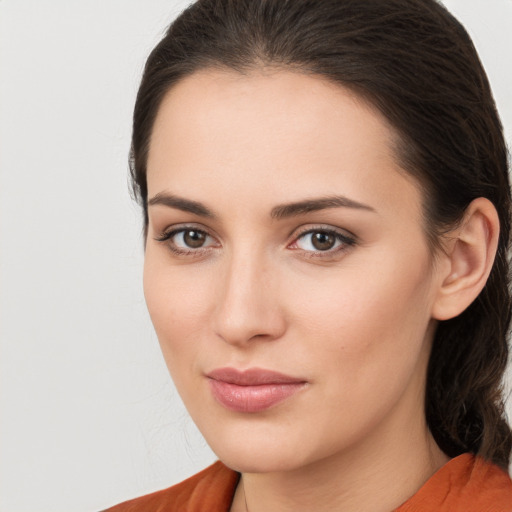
(248,305)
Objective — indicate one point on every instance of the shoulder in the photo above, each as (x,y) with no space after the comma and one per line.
(211,489)
(465,483)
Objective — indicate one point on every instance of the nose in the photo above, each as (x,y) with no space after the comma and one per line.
(248,305)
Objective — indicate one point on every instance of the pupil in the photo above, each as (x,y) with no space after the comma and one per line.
(323,241)
(194,239)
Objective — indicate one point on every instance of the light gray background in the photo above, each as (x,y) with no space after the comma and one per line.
(89,416)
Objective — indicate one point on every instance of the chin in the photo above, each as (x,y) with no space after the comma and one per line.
(259,461)
(260,451)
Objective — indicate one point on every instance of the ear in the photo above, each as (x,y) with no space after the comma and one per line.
(469,254)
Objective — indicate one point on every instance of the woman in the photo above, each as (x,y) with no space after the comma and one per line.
(327,214)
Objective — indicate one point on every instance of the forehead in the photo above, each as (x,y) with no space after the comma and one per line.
(289,102)
(272,134)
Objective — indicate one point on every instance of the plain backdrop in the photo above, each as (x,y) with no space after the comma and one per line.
(89,416)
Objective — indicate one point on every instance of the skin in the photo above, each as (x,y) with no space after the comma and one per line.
(356,323)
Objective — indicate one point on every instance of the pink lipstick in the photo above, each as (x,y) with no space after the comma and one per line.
(252,390)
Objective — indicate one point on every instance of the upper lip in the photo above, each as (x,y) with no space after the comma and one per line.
(252,377)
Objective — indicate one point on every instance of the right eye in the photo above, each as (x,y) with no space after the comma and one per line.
(190,239)
(187,240)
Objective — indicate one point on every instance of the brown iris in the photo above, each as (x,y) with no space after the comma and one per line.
(323,241)
(194,239)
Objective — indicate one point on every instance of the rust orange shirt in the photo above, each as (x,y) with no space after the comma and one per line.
(464,484)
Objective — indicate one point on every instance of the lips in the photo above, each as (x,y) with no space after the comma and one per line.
(252,390)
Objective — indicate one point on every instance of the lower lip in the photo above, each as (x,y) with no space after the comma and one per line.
(252,398)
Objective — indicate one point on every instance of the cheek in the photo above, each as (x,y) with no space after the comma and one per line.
(363,338)
(179,303)
(365,323)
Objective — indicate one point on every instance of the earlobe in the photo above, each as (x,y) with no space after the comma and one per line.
(470,254)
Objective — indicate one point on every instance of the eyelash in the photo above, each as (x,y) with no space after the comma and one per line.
(346,242)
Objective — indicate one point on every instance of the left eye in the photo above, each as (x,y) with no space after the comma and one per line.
(321,240)
(190,239)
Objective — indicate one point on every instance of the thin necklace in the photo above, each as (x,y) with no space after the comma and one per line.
(245,496)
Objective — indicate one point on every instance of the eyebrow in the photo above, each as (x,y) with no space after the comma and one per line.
(180,203)
(313,205)
(281,211)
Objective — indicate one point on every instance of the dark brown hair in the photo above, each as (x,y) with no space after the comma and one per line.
(415,63)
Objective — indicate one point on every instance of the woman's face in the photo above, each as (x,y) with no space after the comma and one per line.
(284,239)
